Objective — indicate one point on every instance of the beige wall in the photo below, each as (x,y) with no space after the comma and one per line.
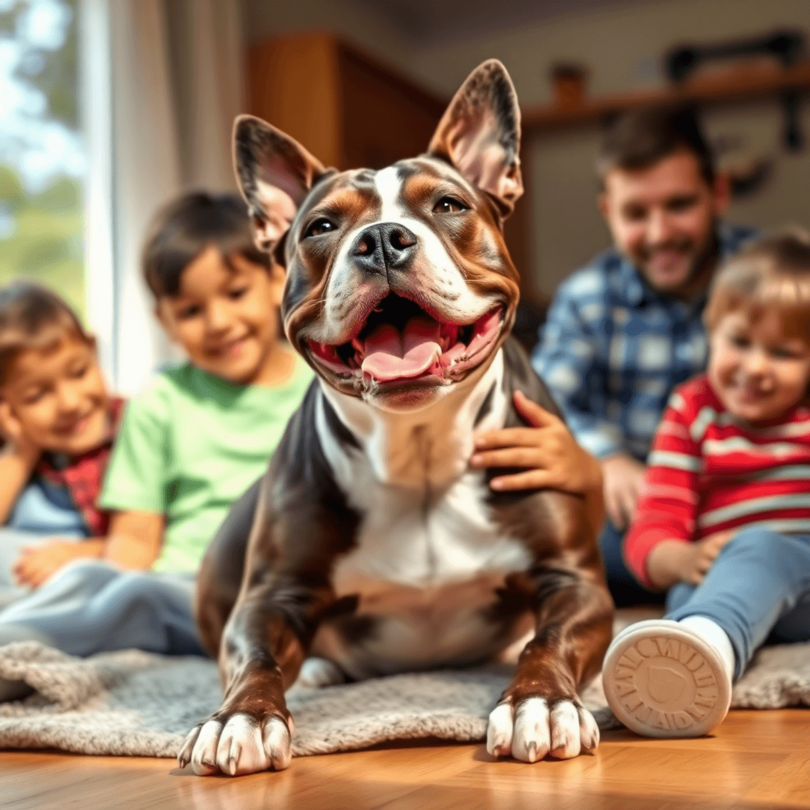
(622,46)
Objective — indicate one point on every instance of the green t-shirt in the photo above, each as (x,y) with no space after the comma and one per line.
(189,446)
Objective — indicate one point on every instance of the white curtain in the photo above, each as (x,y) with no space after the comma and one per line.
(162,83)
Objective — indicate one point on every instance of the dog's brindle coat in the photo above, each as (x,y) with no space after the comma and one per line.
(369,542)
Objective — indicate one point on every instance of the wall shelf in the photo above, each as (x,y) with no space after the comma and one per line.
(743,83)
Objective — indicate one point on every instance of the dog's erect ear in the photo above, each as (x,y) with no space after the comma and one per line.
(480,134)
(275,173)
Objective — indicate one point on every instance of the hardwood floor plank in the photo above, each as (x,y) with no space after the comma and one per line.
(757,759)
(786,785)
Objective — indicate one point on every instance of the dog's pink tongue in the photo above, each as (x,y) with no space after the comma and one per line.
(392,356)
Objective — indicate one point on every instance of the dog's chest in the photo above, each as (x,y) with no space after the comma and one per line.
(426,577)
(429,554)
(410,542)
(425,519)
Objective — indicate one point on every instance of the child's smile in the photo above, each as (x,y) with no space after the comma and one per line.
(224,316)
(57,394)
(758,370)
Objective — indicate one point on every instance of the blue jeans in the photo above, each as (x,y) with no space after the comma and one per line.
(89,607)
(758,589)
(624,587)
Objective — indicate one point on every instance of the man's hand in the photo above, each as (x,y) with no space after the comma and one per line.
(37,563)
(678,561)
(623,476)
(547,450)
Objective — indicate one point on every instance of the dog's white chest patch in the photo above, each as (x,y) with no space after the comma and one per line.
(428,555)
(408,540)
(426,574)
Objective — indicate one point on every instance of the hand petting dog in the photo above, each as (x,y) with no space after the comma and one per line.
(547,455)
(547,450)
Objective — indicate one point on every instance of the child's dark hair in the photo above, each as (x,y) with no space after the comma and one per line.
(34,317)
(186,227)
(769,275)
(640,138)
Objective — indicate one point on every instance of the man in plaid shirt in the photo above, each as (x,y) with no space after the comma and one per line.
(625,330)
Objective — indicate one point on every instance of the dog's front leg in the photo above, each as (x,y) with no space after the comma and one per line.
(263,647)
(540,712)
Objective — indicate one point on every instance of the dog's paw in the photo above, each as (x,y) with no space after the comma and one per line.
(317,673)
(239,746)
(533,730)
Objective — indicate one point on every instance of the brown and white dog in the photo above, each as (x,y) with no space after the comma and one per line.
(369,543)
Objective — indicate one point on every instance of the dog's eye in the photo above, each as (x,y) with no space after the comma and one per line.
(449,205)
(321,226)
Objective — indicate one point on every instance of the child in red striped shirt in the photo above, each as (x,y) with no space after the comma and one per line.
(724,518)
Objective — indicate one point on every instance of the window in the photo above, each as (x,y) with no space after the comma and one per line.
(42,158)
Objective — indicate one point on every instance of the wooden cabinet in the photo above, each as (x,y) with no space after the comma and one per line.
(347,109)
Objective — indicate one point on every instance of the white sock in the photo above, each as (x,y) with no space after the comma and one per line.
(716,637)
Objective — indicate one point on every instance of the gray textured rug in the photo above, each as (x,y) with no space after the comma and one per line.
(140,704)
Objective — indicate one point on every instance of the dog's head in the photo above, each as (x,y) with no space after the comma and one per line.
(399,285)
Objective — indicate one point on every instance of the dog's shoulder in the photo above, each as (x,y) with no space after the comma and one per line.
(300,464)
(519,375)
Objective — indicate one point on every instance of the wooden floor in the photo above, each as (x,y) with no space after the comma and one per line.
(756,759)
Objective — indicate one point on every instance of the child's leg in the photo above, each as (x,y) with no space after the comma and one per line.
(793,627)
(623,586)
(678,595)
(758,578)
(672,677)
(92,607)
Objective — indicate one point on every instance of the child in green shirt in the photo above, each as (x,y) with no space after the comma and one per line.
(189,445)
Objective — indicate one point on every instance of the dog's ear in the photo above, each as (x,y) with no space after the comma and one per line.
(275,173)
(480,134)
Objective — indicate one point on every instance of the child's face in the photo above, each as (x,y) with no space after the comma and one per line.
(226,321)
(57,397)
(758,371)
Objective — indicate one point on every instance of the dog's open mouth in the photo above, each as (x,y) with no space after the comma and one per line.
(401,342)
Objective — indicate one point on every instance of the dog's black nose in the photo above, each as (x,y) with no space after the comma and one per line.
(383,247)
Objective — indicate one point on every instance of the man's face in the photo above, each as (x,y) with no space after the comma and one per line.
(662,218)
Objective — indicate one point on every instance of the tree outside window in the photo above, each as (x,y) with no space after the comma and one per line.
(42,159)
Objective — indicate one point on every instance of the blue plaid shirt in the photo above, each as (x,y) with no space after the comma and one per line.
(613,349)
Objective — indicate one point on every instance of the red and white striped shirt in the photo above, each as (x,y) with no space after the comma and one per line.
(708,472)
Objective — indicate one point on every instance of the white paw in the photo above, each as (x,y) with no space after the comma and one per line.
(237,747)
(533,732)
(317,673)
